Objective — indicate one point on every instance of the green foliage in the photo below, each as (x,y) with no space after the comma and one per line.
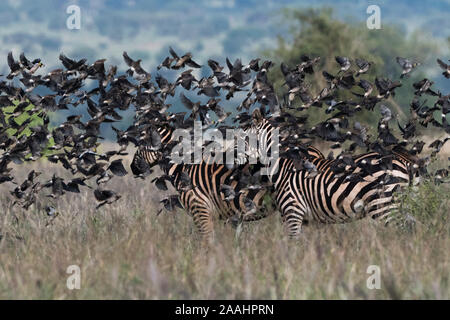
(35,118)
(316,32)
(428,204)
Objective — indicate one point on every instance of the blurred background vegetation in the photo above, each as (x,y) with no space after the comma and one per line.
(279,30)
(25,122)
(318,33)
(33,119)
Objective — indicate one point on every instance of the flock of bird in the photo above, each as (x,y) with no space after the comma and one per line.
(74,143)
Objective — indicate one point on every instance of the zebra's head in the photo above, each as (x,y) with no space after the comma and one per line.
(143,160)
(147,156)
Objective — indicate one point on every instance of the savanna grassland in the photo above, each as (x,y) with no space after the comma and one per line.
(127,251)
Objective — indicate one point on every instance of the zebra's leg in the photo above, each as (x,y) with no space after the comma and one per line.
(198,208)
(292,211)
(292,216)
(203,221)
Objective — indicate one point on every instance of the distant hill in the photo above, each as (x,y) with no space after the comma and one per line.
(235,28)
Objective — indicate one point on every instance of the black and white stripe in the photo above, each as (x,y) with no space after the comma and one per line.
(204,201)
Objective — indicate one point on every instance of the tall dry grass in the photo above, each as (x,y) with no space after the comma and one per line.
(126,251)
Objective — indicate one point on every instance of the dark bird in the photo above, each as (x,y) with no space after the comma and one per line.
(105,197)
(366,86)
(386,87)
(135,67)
(308,166)
(186,79)
(417,148)
(14,66)
(166,88)
(166,63)
(30,67)
(386,113)
(445,67)
(444,102)
(30,180)
(217,71)
(57,185)
(385,135)
(184,182)
(71,64)
(407,66)
(208,88)
(238,75)
(94,170)
(117,168)
(358,135)
(307,64)
(409,130)
(50,211)
(194,107)
(151,139)
(228,192)
(160,182)
(424,86)
(293,79)
(123,137)
(186,59)
(215,66)
(171,203)
(363,66)
(328,130)
(249,206)
(440,175)
(344,62)
(73,185)
(437,145)
(254,64)
(6,178)
(140,168)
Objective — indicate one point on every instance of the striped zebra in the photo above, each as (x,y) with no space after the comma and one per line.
(204,200)
(327,195)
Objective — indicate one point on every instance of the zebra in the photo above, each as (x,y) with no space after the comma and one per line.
(330,191)
(203,199)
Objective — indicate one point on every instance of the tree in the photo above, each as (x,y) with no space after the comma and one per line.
(21,123)
(316,32)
